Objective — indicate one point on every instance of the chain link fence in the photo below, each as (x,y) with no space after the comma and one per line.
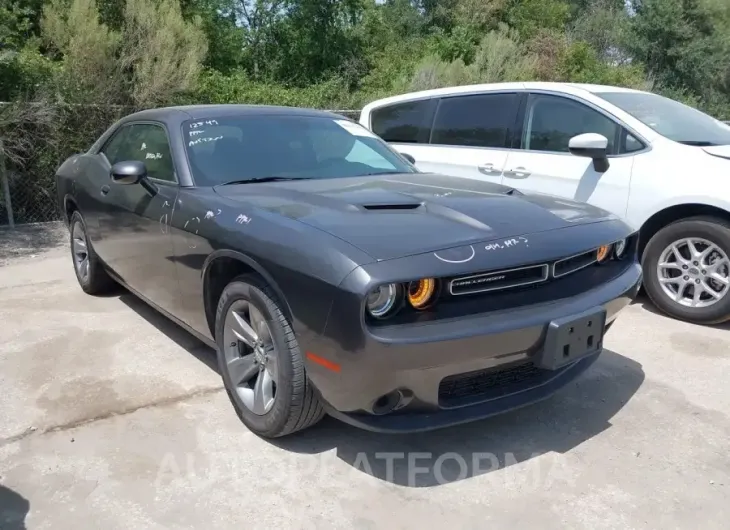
(28,193)
(24,200)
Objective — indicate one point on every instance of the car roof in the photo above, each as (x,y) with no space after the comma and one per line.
(597,89)
(195,112)
(569,88)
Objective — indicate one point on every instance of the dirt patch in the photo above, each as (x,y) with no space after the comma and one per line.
(28,241)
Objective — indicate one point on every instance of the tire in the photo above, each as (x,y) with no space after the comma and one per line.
(92,278)
(295,406)
(713,230)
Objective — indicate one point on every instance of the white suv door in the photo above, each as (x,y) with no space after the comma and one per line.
(543,163)
(464,136)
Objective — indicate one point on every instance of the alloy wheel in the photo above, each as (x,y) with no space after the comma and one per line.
(694,272)
(251,358)
(80,250)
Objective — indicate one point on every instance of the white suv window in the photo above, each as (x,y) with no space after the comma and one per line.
(484,120)
(551,121)
(405,123)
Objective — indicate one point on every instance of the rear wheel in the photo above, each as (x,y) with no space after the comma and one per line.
(687,270)
(90,273)
(260,361)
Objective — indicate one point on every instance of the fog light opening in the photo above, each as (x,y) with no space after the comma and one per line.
(387,403)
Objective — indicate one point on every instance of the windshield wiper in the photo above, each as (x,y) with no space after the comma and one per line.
(258,179)
(380,173)
(698,143)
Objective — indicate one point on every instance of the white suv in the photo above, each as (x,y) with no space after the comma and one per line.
(661,165)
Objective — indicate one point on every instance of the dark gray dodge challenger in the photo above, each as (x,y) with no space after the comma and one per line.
(333,277)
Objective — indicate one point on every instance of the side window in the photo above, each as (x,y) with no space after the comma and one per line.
(407,123)
(485,120)
(114,148)
(551,121)
(629,143)
(148,143)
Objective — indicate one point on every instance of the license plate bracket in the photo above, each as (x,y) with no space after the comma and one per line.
(572,338)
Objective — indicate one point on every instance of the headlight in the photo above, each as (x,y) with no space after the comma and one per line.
(602,253)
(619,249)
(382,300)
(422,293)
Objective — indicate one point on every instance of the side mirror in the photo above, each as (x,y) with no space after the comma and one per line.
(408,157)
(591,145)
(131,172)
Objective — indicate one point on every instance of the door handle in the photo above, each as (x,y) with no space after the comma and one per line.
(488,169)
(105,189)
(517,173)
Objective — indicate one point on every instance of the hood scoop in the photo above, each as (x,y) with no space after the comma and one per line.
(392,206)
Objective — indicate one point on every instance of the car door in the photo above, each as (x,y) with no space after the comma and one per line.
(468,135)
(544,164)
(133,222)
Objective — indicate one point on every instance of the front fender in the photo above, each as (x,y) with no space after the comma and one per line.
(639,217)
(253,264)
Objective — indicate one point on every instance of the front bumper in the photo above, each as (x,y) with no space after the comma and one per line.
(455,371)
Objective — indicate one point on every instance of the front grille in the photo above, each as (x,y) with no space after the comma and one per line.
(463,389)
(498,280)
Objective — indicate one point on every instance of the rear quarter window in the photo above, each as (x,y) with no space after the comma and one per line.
(408,122)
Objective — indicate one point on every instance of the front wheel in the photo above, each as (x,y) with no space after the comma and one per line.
(260,361)
(90,273)
(687,270)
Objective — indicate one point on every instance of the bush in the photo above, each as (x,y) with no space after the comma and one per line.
(154,56)
(214,87)
(23,74)
(580,64)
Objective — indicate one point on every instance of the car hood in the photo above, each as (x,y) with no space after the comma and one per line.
(721,151)
(394,216)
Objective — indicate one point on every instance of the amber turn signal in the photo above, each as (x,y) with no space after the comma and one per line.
(421,293)
(602,253)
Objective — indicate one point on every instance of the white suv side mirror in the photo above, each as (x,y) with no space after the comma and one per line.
(591,145)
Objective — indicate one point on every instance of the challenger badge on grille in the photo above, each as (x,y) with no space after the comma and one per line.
(497,280)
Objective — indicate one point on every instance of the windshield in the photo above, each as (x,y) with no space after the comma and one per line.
(671,119)
(242,148)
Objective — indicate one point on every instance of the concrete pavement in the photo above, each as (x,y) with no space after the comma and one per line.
(113,417)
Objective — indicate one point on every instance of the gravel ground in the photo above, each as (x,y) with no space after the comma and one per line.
(113,417)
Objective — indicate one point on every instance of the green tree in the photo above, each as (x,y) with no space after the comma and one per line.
(24,74)
(224,35)
(581,63)
(262,35)
(683,43)
(499,57)
(319,39)
(604,24)
(529,16)
(19,22)
(154,56)
(163,51)
(89,49)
